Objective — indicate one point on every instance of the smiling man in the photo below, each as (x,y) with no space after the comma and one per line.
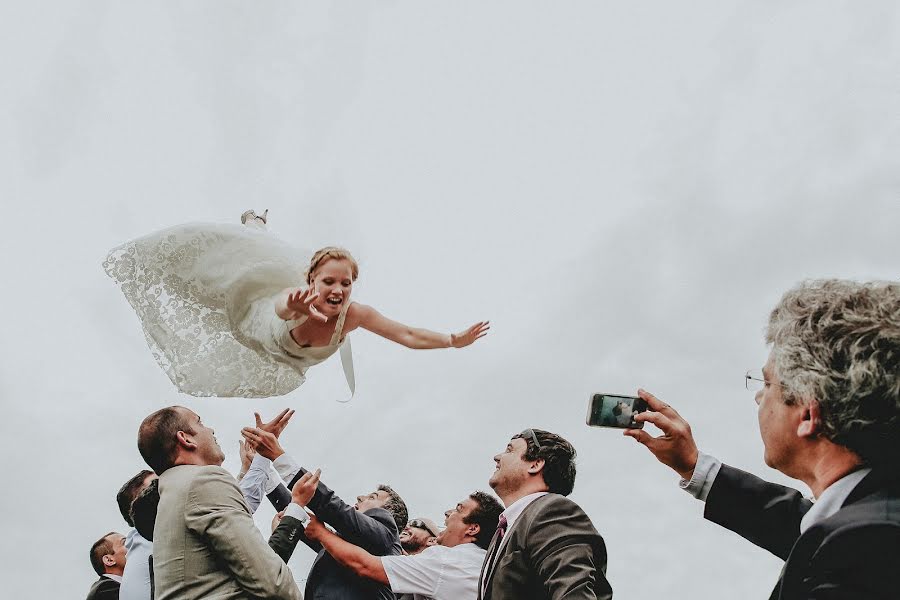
(545,546)
(829,415)
(206,543)
(445,571)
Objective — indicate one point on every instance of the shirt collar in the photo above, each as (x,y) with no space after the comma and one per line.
(515,509)
(117,578)
(831,500)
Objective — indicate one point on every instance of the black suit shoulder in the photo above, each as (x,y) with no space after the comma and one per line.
(104,589)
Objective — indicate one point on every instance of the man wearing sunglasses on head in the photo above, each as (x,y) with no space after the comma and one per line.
(447,570)
(545,545)
(418,535)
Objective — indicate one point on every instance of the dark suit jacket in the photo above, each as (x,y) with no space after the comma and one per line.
(375,531)
(552,551)
(853,554)
(104,589)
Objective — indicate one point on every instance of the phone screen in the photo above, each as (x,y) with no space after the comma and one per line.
(615,410)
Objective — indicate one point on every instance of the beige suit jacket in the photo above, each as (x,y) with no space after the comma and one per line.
(206,545)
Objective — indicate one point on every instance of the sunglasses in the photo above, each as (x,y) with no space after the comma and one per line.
(420,524)
(529,434)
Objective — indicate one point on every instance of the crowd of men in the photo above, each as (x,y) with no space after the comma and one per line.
(829,415)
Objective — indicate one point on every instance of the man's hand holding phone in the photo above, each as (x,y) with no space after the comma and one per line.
(676,447)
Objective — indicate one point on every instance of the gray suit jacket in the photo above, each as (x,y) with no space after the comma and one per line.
(206,545)
(552,551)
(374,530)
(853,554)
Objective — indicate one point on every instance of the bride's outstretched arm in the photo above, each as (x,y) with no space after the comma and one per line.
(414,337)
(296,303)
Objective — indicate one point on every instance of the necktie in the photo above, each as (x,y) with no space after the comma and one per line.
(489,565)
(501,529)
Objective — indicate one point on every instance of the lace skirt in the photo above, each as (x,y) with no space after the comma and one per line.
(204,294)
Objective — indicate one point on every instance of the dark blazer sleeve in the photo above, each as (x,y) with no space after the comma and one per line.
(280,497)
(374,530)
(764,513)
(285,537)
(567,552)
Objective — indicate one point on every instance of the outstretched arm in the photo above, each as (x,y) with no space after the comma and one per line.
(413,337)
(353,557)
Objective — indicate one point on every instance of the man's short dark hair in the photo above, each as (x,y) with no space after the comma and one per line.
(396,506)
(157,437)
(486,515)
(143,510)
(128,492)
(559,459)
(99,549)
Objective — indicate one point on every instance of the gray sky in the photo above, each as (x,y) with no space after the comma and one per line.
(624,190)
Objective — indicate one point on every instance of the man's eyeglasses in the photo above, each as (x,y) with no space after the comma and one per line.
(529,434)
(754,380)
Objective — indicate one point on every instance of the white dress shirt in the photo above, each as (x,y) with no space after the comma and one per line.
(436,573)
(135,583)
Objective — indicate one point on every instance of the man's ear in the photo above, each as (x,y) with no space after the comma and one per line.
(536,466)
(184,440)
(811,421)
(473,529)
(109,560)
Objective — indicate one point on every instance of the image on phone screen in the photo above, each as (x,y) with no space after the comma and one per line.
(615,410)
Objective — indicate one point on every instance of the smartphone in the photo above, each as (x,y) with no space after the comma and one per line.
(615,410)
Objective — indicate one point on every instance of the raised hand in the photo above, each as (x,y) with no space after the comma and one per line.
(305,488)
(464,338)
(247,453)
(300,302)
(314,529)
(276,425)
(675,448)
(264,442)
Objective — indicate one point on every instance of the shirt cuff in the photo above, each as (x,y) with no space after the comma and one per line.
(286,467)
(295,510)
(705,472)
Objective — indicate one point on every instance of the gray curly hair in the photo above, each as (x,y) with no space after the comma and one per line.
(838,342)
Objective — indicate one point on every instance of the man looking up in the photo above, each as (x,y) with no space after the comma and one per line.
(448,570)
(545,545)
(137,581)
(829,415)
(211,546)
(108,560)
(373,523)
(418,535)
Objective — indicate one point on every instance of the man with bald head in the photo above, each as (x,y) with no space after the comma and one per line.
(212,547)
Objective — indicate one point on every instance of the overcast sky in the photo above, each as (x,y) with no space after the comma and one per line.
(624,189)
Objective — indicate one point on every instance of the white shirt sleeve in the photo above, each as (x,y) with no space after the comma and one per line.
(418,574)
(286,468)
(705,472)
(254,482)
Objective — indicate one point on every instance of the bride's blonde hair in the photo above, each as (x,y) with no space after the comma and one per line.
(323,255)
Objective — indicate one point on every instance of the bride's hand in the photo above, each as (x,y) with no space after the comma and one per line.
(300,301)
(464,338)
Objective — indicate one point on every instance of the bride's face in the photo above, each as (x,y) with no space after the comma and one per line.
(333,280)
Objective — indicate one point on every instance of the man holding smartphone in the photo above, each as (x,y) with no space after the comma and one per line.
(829,415)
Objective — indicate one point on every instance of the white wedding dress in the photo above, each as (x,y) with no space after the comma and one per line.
(205,295)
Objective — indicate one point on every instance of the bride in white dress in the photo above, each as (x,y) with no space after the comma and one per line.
(223,315)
